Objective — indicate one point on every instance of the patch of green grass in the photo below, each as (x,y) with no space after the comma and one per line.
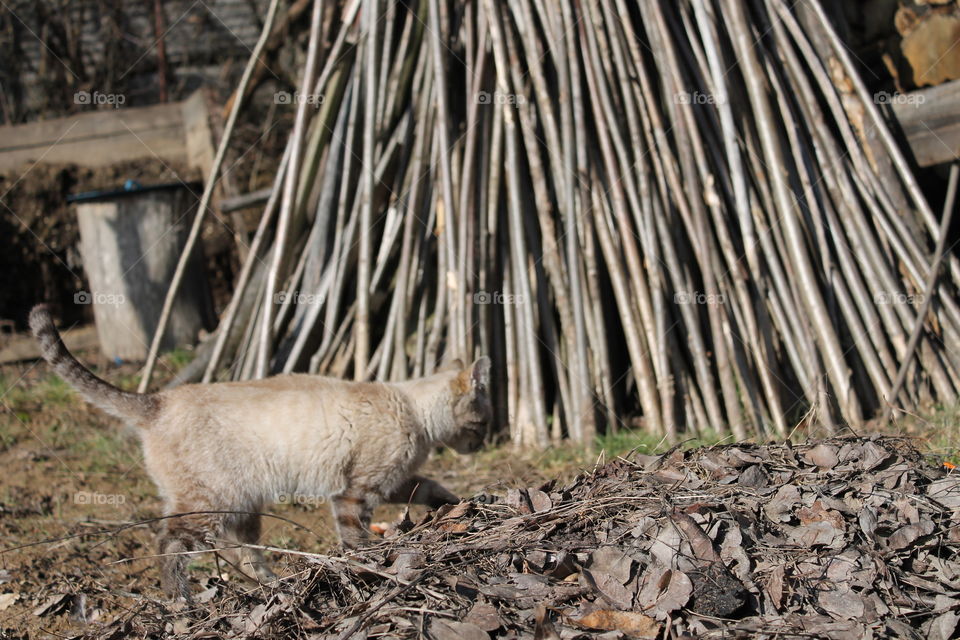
(566,459)
(57,434)
(126,381)
(12,427)
(53,390)
(178,358)
(13,391)
(104,451)
(626,440)
(937,431)
(169,364)
(19,394)
(10,434)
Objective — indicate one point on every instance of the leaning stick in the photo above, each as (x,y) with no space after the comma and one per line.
(290,185)
(361,354)
(928,290)
(204,201)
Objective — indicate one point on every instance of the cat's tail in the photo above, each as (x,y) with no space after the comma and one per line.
(135,408)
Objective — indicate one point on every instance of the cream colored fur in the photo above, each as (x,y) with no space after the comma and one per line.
(220,452)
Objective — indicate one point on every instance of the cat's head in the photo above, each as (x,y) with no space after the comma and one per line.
(472,407)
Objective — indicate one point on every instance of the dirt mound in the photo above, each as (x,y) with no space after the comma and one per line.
(848,538)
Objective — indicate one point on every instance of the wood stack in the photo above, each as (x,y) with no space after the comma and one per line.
(693,210)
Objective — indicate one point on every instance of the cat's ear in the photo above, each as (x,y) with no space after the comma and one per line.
(480,374)
(451,365)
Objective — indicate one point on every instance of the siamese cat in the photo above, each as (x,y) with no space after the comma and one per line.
(219,452)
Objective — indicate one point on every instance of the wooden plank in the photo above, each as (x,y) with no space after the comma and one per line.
(196,125)
(99,138)
(92,124)
(930,120)
(165,144)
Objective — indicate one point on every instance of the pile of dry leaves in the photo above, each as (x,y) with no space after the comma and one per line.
(848,538)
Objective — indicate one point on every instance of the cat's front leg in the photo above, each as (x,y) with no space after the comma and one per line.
(422,490)
(352,513)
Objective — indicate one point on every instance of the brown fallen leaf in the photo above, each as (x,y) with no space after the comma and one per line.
(663,590)
(780,506)
(702,545)
(818,513)
(518,499)
(407,564)
(450,630)
(255,618)
(54,604)
(452,511)
(841,603)
(868,521)
(207,594)
(453,527)
(774,586)
(823,456)
(943,626)
(753,477)
(632,624)
(7,599)
(873,455)
(484,616)
(816,533)
(609,589)
(612,560)
(946,491)
(539,500)
(907,535)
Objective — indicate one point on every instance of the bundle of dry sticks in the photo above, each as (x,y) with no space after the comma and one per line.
(693,211)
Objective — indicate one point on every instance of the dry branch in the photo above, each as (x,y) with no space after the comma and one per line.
(660,210)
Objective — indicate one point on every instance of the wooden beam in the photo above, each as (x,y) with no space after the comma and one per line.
(173,132)
(930,120)
(96,139)
(252,199)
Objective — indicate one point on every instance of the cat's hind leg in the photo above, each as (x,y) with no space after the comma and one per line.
(352,513)
(246,530)
(197,529)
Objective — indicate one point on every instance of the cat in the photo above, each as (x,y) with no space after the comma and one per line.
(219,452)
